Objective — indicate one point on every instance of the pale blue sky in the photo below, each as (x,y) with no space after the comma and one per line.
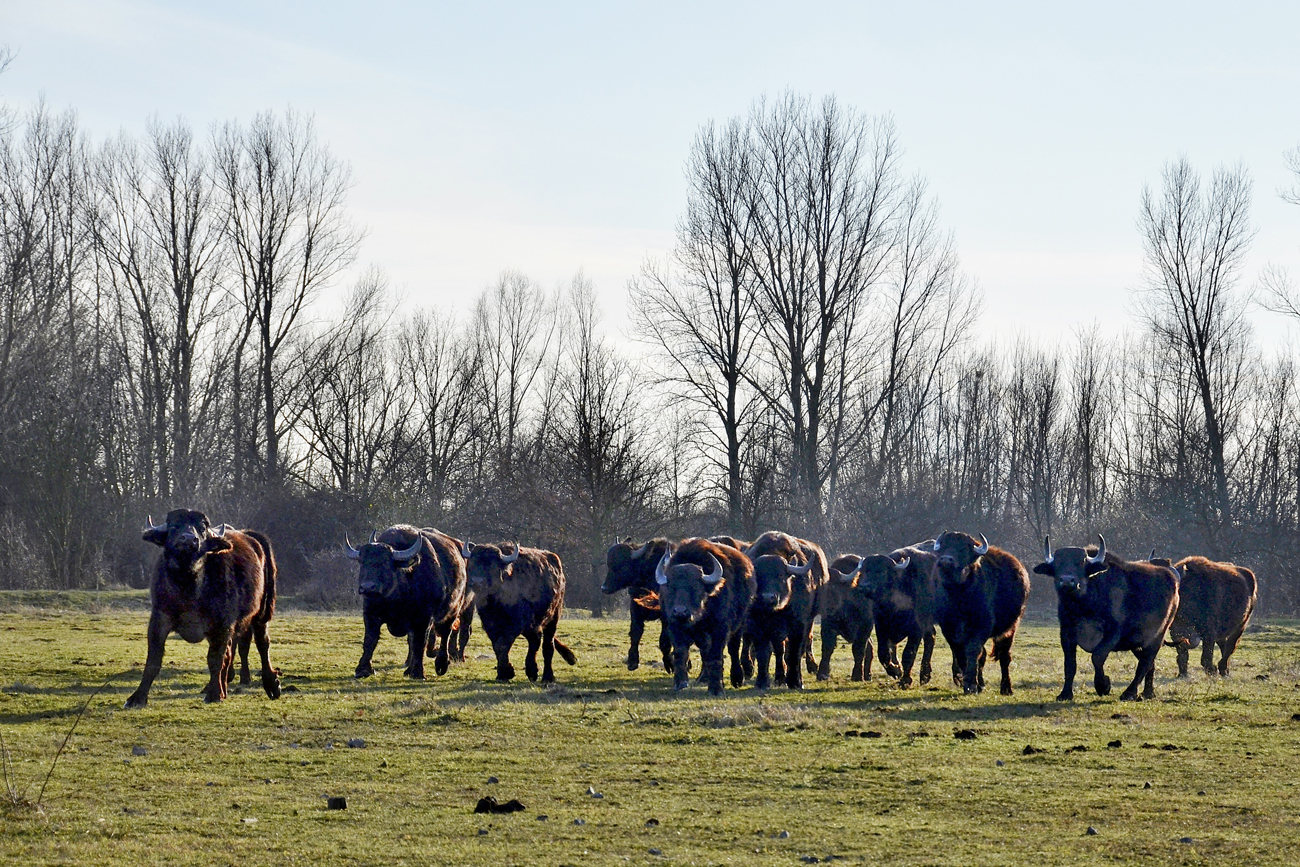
(549,137)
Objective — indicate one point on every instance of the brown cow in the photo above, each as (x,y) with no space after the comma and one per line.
(785,602)
(1216,601)
(521,593)
(217,584)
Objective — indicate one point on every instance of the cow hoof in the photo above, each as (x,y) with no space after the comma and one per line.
(680,685)
(209,698)
(415,675)
(634,664)
(1103,686)
(1065,696)
(363,671)
(823,677)
(441,664)
(1006,689)
(272,689)
(136,701)
(716,691)
(905,683)
(1127,696)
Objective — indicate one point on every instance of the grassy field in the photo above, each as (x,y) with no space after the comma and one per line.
(1204,774)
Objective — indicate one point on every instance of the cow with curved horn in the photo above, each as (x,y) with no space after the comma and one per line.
(413,582)
(519,593)
(789,574)
(846,612)
(705,590)
(633,569)
(981,595)
(210,583)
(1107,604)
(1215,604)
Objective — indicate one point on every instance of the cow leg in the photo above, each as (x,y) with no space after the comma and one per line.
(462,635)
(501,646)
(737,667)
(1099,653)
(270,677)
(634,633)
(794,652)
(778,651)
(245,677)
(160,626)
(809,662)
(747,655)
(909,659)
(763,650)
(681,669)
(368,643)
(972,676)
(442,634)
(1207,655)
(927,652)
(711,662)
(666,647)
(416,640)
(861,660)
(534,640)
(1145,672)
(1069,647)
(1002,653)
(1226,648)
(1182,654)
(958,662)
(829,637)
(548,650)
(887,653)
(220,654)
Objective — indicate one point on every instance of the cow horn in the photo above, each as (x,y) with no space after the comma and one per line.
(983,547)
(1153,554)
(1101,552)
(220,529)
(716,575)
(353,553)
(1047,548)
(465,549)
(847,577)
(640,552)
(936,544)
(403,556)
(508,559)
(374,536)
(798,570)
(660,577)
(902,565)
(153,526)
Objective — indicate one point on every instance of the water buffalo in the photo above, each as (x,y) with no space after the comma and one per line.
(413,582)
(1215,604)
(788,575)
(520,593)
(633,569)
(705,590)
(1106,604)
(846,612)
(217,584)
(902,589)
(982,592)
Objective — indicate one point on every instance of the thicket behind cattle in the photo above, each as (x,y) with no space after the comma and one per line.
(137,374)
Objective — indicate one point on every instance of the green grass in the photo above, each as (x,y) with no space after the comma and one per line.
(246,781)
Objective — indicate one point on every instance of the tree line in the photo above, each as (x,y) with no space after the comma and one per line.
(810,356)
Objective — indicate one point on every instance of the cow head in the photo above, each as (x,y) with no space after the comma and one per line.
(1160,561)
(186,538)
(386,566)
(773,577)
(956,553)
(685,588)
(879,573)
(488,565)
(623,564)
(1071,567)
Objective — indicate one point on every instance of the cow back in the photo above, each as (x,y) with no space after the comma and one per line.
(1216,600)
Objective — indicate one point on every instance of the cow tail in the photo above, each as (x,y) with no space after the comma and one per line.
(565,653)
(268,575)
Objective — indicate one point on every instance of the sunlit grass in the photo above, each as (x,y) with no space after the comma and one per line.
(246,782)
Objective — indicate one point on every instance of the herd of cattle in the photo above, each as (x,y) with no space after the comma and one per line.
(754,600)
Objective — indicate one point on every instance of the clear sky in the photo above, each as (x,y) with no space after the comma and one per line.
(548,137)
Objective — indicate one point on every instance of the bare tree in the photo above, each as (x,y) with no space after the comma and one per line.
(288,231)
(1195,245)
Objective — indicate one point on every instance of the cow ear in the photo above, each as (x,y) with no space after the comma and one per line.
(216,544)
(1045,569)
(1094,568)
(156,535)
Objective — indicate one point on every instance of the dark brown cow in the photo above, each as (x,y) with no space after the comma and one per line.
(705,590)
(1107,604)
(789,573)
(903,592)
(217,584)
(520,593)
(982,596)
(633,569)
(846,612)
(1215,604)
(413,582)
